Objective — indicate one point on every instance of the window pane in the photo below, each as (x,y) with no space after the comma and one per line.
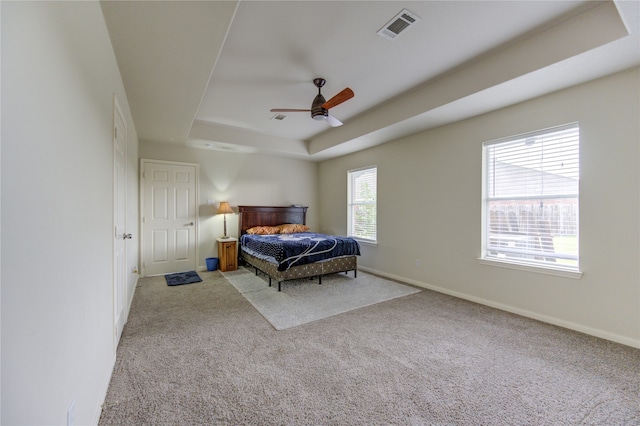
(362,193)
(534,231)
(531,198)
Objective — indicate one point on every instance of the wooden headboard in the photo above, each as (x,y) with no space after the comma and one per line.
(251,216)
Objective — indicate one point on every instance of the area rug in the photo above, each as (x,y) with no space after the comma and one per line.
(302,301)
(181,278)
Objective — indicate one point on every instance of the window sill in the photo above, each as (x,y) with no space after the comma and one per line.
(533,268)
(366,242)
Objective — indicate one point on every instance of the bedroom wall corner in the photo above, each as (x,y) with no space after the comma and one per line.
(439,223)
(242,179)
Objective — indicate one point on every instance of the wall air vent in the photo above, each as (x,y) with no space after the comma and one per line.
(398,24)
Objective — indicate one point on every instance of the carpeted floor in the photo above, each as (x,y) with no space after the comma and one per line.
(201,354)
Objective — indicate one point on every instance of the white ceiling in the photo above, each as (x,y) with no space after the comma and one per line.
(206,73)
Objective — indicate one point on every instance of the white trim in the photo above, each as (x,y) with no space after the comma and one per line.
(628,341)
(366,242)
(117,111)
(350,204)
(357,169)
(130,301)
(546,267)
(533,133)
(511,264)
(105,390)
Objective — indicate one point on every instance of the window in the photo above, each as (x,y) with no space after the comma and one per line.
(530,199)
(361,204)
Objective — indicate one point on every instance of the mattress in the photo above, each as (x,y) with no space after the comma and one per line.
(288,250)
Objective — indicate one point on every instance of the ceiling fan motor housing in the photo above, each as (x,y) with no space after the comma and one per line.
(317,112)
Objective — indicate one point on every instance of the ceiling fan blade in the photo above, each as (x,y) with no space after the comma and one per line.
(288,110)
(333,122)
(345,95)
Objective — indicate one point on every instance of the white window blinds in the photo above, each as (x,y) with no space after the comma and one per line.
(362,203)
(531,189)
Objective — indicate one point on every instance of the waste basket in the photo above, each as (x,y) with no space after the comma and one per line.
(212,263)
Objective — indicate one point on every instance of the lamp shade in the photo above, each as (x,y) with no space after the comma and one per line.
(224,208)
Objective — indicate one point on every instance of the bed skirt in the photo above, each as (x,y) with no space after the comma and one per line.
(317,269)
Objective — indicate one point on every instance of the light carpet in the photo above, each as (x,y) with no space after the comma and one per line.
(303,300)
(200,354)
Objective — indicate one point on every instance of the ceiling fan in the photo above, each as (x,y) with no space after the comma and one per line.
(320,107)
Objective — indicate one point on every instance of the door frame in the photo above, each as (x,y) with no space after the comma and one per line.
(116,292)
(196,240)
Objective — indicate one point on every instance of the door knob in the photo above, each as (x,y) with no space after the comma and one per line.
(190,224)
(126,236)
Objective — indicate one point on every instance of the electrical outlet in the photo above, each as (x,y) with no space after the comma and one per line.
(71,414)
(417,263)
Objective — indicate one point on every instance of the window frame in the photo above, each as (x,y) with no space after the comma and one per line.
(351,204)
(528,260)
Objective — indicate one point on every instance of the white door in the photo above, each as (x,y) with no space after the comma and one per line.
(169,219)
(119,219)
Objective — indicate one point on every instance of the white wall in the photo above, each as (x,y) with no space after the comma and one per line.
(242,179)
(59,76)
(429,207)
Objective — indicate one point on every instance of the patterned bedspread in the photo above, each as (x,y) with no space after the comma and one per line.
(287,250)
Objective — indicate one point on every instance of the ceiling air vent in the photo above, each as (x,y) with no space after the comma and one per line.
(398,24)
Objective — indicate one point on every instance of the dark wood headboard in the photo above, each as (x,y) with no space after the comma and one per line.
(251,216)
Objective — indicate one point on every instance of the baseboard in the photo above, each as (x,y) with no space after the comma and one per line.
(107,381)
(634,343)
(105,388)
(130,301)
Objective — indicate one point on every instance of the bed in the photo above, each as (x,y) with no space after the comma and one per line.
(259,251)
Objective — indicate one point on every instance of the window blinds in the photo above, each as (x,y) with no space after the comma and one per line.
(362,201)
(531,189)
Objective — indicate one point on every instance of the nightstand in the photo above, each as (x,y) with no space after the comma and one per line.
(228,253)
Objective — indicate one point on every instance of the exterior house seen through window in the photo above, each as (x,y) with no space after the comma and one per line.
(362,204)
(530,199)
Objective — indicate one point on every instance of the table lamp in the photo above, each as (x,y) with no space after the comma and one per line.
(224,209)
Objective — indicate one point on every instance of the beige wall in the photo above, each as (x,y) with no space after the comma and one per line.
(241,179)
(59,77)
(429,207)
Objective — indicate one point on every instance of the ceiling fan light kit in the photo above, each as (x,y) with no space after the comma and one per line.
(320,107)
